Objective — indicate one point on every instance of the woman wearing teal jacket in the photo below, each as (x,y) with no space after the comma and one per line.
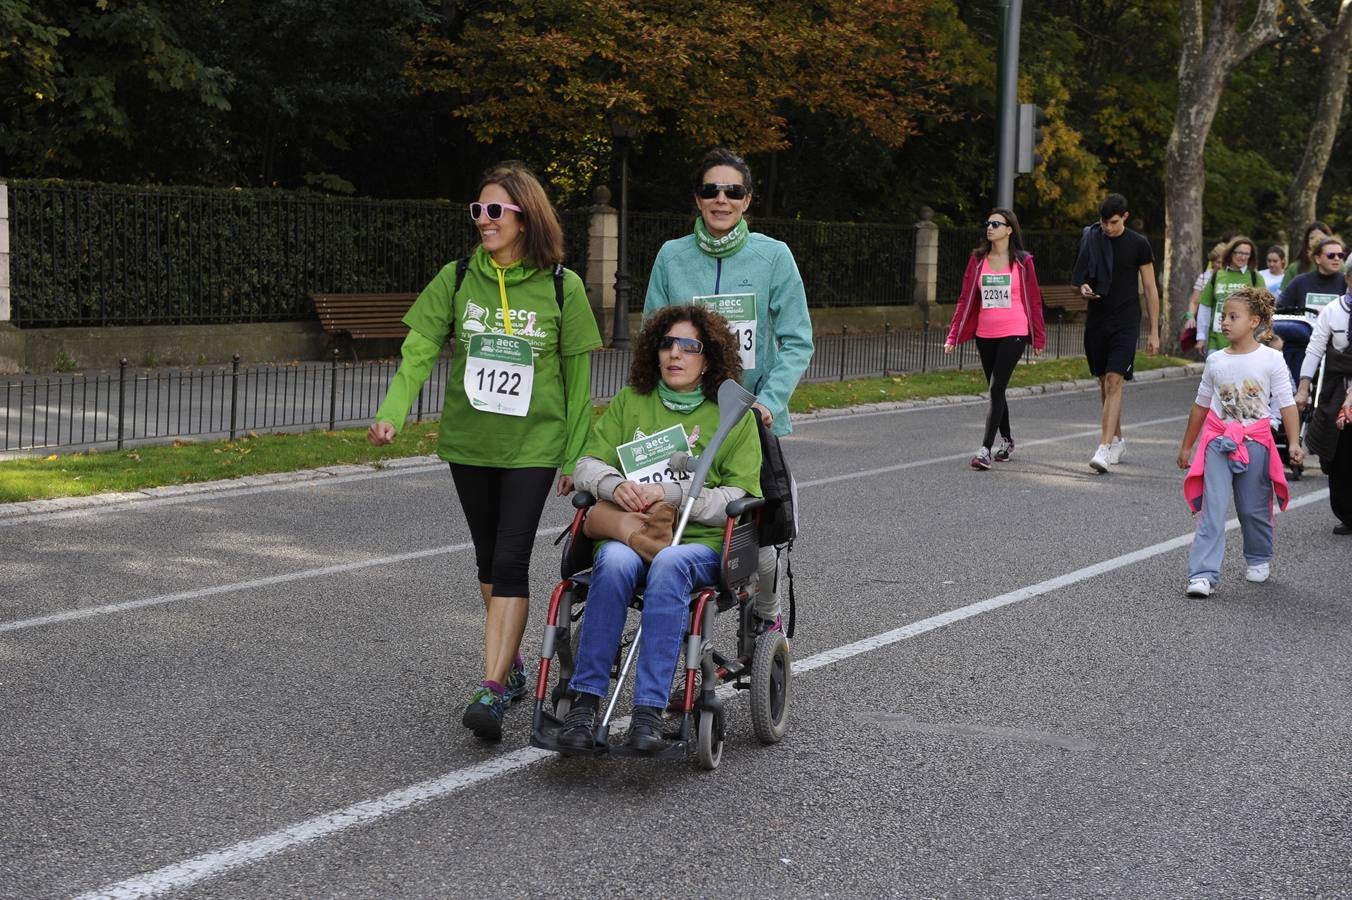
(1238,269)
(752,281)
(518,402)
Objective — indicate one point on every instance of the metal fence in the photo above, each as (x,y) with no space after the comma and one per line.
(1053,253)
(842,263)
(131,406)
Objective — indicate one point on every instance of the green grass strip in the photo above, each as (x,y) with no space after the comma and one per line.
(185,461)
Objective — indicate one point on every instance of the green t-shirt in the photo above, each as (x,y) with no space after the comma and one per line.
(1221,285)
(632,415)
(474,436)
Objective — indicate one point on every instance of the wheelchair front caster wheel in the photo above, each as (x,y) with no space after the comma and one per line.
(771,671)
(709,739)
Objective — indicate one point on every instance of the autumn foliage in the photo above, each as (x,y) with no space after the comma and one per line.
(714,73)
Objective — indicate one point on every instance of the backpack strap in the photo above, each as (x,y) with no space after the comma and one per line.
(461,267)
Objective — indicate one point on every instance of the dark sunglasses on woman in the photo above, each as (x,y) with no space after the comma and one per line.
(494,210)
(687,345)
(709,190)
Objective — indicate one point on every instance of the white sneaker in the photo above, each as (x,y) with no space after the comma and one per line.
(1115,450)
(1100,461)
(1259,572)
(1200,587)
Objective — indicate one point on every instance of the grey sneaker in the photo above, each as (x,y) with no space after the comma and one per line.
(516,685)
(982,460)
(1005,450)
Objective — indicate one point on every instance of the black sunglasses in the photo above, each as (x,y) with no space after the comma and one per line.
(1335,255)
(996,223)
(709,190)
(687,345)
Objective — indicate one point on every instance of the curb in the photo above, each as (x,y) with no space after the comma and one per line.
(1052,387)
(251,482)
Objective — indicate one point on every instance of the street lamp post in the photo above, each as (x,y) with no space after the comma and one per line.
(619,337)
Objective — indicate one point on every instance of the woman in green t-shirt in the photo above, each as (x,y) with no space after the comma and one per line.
(1238,269)
(680,358)
(518,402)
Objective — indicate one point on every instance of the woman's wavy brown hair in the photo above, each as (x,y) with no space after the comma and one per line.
(720,350)
(543,243)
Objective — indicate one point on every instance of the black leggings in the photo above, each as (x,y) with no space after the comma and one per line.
(503,507)
(999,356)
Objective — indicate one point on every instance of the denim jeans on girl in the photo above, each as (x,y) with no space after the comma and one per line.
(666,586)
(1252,491)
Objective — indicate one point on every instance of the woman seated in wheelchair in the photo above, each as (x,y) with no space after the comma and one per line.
(681,357)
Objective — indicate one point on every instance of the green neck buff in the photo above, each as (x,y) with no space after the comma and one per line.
(680,401)
(727,245)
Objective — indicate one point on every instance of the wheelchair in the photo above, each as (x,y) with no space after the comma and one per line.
(760,665)
(1293,325)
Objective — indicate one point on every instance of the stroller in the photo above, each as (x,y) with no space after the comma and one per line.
(1294,325)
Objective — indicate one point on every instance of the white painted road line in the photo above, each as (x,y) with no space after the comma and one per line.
(883,470)
(218,862)
(126,606)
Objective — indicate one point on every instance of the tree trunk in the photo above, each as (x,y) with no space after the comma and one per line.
(1303,194)
(1209,55)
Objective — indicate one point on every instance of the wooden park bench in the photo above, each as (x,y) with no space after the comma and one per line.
(363,317)
(1063,297)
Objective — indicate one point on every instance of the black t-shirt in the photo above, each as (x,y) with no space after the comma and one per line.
(1121,305)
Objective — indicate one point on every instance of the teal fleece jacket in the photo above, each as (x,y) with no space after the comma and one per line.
(764,267)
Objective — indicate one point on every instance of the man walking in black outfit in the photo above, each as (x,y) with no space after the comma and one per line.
(1112,266)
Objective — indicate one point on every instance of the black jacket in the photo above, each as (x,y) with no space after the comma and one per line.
(1094,260)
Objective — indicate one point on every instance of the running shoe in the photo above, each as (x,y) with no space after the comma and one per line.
(1005,450)
(1115,450)
(1258,573)
(484,714)
(516,684)
(1200,587)
(1100,461)
(982,460)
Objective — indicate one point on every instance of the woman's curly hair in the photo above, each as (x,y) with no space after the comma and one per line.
(720,350)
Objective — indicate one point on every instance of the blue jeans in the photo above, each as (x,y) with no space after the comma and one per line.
(1252,492)
(617,574)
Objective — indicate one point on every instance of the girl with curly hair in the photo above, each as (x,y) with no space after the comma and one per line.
(681,357)
(1237,456)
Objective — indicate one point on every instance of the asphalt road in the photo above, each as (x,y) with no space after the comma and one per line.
(257,694)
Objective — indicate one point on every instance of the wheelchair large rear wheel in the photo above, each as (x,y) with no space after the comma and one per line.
(709,739)
(771,672)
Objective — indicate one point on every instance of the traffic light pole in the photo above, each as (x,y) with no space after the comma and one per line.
(1008,99)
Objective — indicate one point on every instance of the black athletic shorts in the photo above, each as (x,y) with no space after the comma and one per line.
(1111,349)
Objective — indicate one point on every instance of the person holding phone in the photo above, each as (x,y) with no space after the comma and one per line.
(1113,265)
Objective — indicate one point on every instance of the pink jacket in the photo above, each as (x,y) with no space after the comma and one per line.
(969,305)
(1260,432)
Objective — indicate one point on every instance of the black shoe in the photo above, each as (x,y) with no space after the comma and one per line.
(579,730)
(1342,528)
(645,729)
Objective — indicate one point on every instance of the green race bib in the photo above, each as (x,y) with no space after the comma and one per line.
(740,311)
(1319,301)
(646,459)
(996,292)
(499,374)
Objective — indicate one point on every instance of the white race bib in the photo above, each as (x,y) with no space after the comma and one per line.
(996,292)
(499,374)
(740,311)
(646,459)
